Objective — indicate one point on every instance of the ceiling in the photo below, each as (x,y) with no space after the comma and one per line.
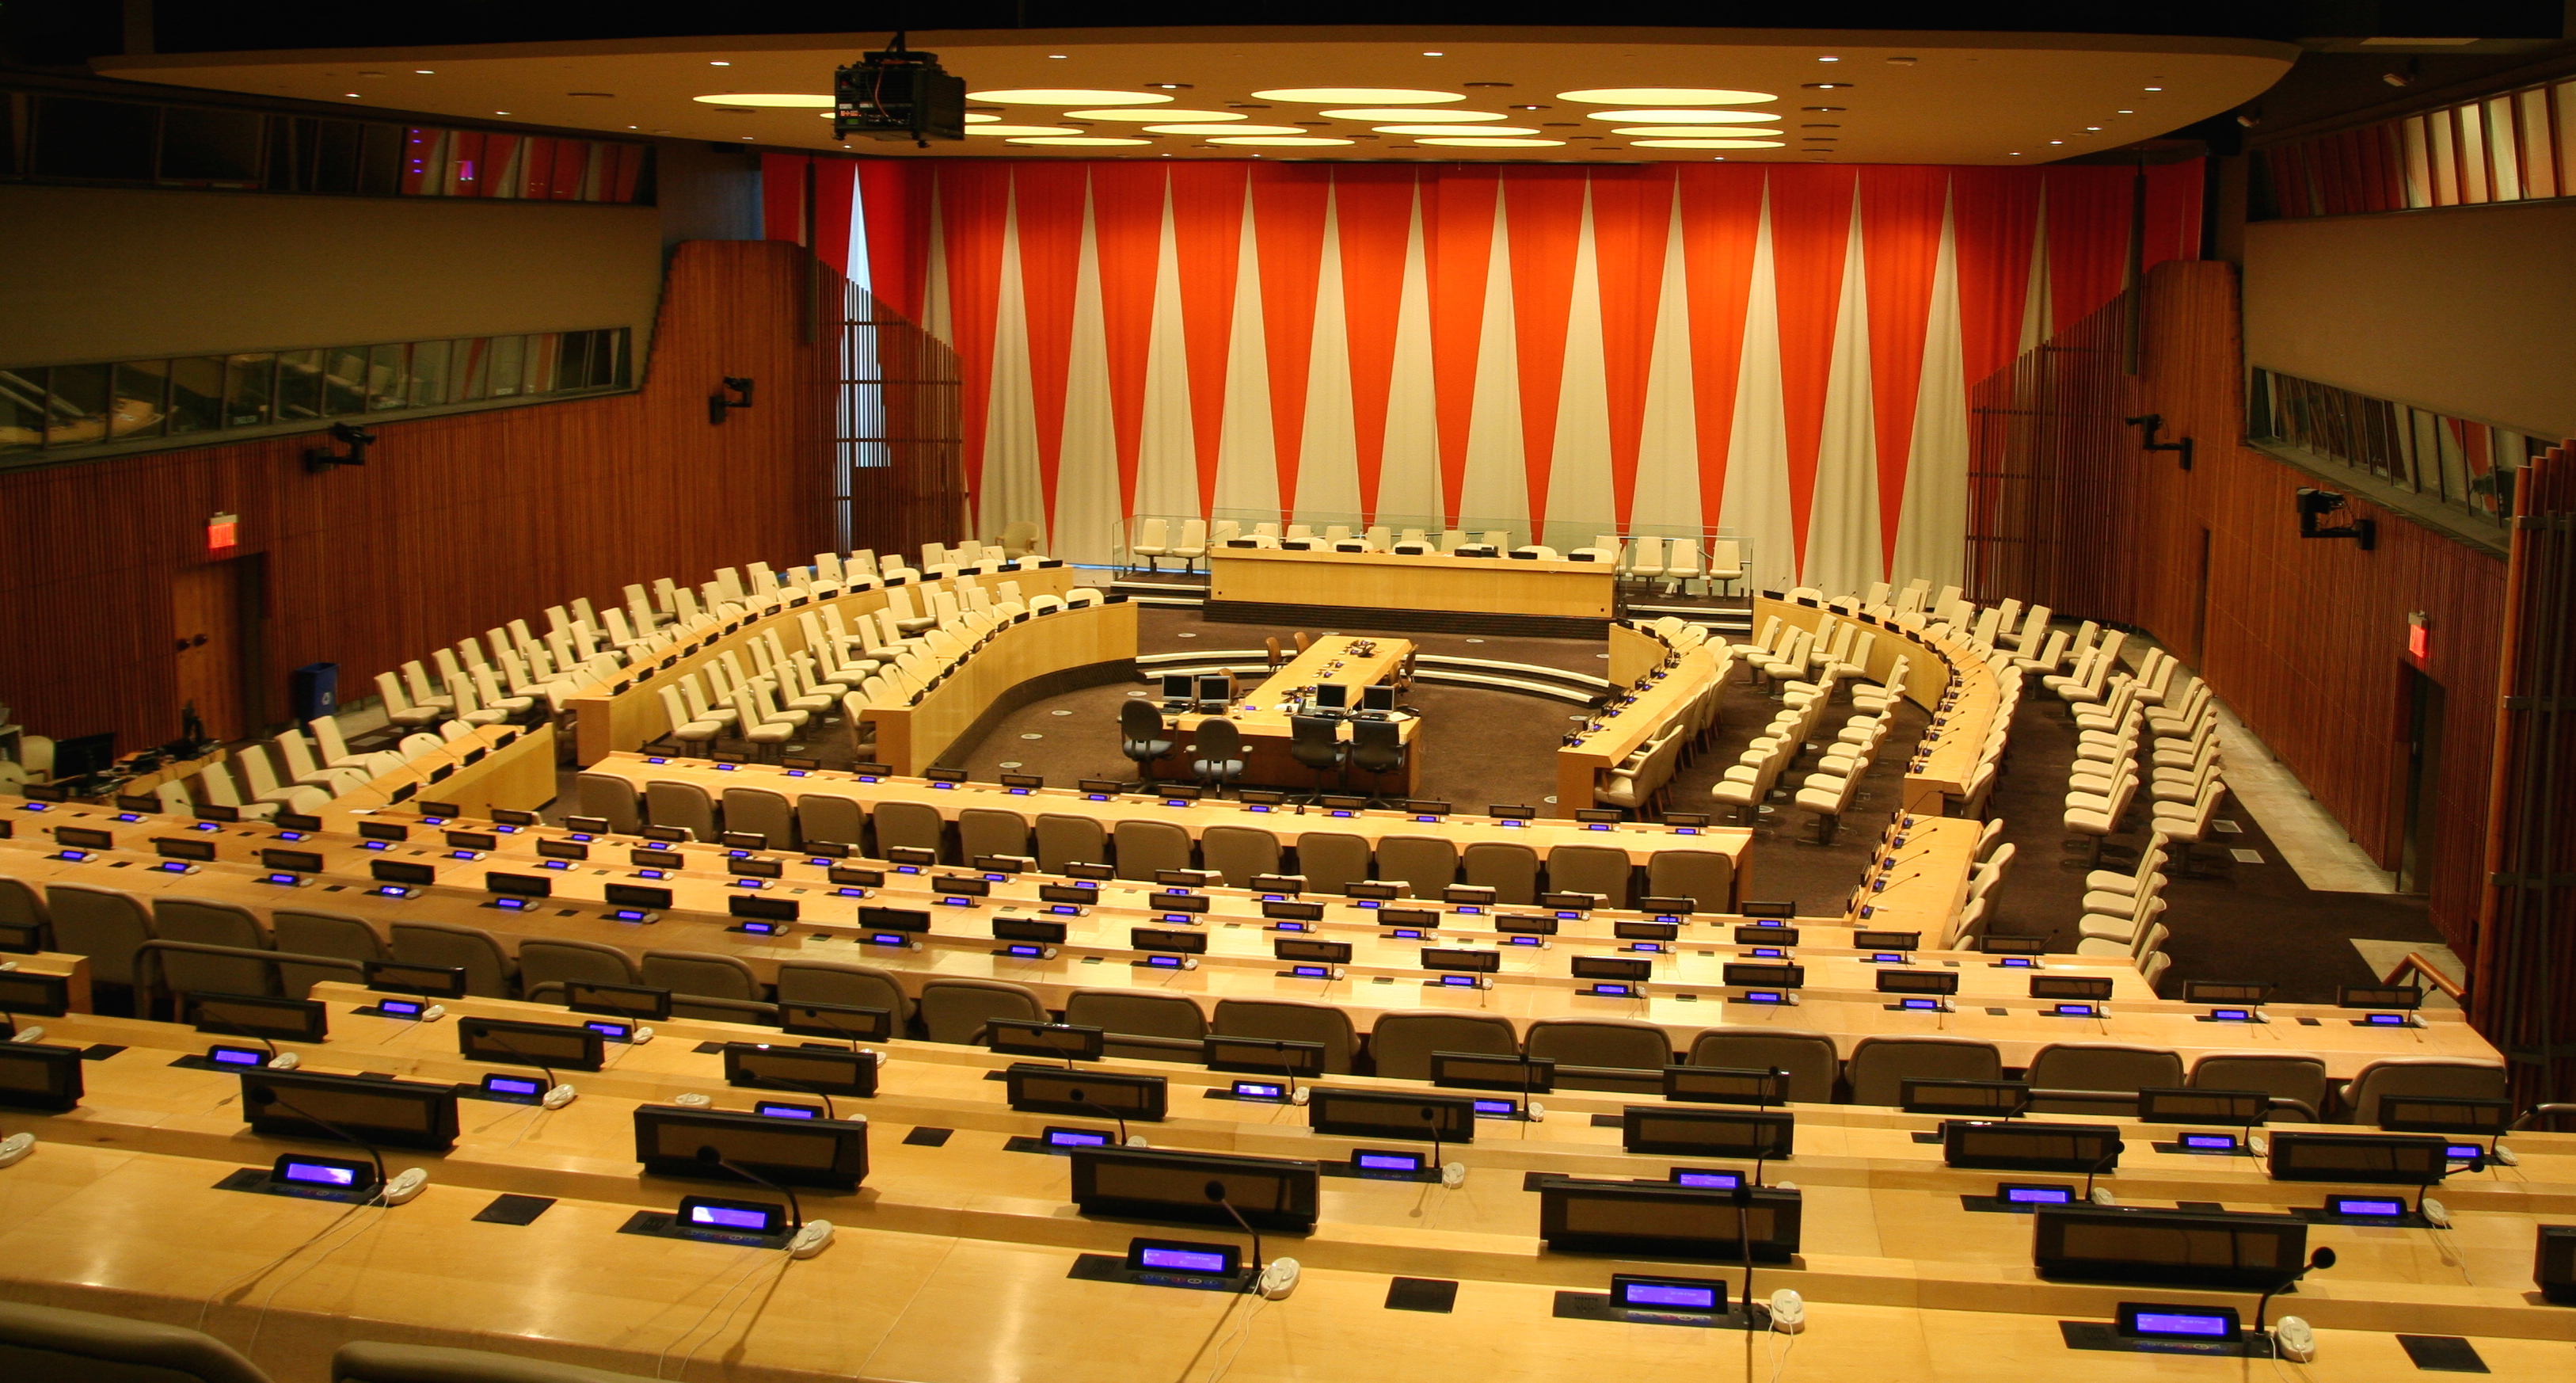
(1899,98)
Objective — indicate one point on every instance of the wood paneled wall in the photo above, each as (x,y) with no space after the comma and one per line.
(2306,639)
(455,525)
(2051,467)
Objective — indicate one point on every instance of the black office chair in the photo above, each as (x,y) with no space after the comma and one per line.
(1316,742)
(1378,748)
(1142,737)
(1218,754)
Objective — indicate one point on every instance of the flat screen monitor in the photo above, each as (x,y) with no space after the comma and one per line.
(894,919)
(406,873)
(1093,1094)
(2443,1114)
(1157,1184)
(173,848)
(1651,1220)
(83,755)
(807,1070)
(24,938)
(1177,686)
(309,1105)
(260,1015)
(1346,1113)
(2193,1105)
(1333,696)
(2208,1249)
(1215,689)
(1378,697)
(696,1143)
(555,1045)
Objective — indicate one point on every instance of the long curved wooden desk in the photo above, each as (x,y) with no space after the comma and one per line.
(1039,655)
(1386,590)
(1946,759)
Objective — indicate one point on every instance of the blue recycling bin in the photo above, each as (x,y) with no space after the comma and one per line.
(314,691)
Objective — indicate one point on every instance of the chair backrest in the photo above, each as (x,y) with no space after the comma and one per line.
(210,923)
(1136,1015)
(1147,846)
(1507,867)
(709,974)
(1219,741)
(1428,863)
(105,924)
(1151,535)
(1808,1057)
(2100,1066)
(2288,1075)
(686,805)
(956,1010)
(913,825)
(1067,839)
(1401,1044)
(840,982)
(991,831)
(1706,877)
(2443,1077)
(1140,726)
(1880,1066)
(1292,1022)
(19,904)
(52,1344)
(1332,860)
(1590,869)
(548,960)
(1376,745)
(761,810)
(1239,853)
(320,934)
(487,968)
(1602,1042)
(828,816)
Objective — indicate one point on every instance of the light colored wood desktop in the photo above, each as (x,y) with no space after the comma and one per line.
(74,969)
(1946,759)
(912,738)
(1431,581)
(518,776)
(1579,765)
(609,719)
(1264,714)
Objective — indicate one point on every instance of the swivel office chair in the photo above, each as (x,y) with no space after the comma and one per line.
(1316,743)
(1217,758)
(1142,736)
(1378,748)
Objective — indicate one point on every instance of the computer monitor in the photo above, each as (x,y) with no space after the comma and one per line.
(1333,696)
(1176,686)
(1378,698)
(1215,688)
(84,755)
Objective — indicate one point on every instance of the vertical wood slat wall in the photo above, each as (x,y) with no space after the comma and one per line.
(2050,466)
(2521,994)
(455,524)
(2306,639)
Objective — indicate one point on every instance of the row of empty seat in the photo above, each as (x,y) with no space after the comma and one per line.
(1674,563)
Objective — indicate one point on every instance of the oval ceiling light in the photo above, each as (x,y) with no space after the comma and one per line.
(1014,131)
(1358,96)
(1683,117)
(1455,130)
(979,118)
(774,98)
(1695,131)
(1399,113)
(1069,96)
(1280,140)
(1705,144)
(1087,141)
(1141,116)
(1481,143)
(1225,129)
(1665,96)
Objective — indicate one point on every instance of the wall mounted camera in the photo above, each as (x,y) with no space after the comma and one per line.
(2315,504)
(2153,423)
(357,439)
(718,404)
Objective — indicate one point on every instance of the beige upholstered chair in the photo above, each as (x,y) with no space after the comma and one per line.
(1808,1057)
(51,1344)
(1401,1045)
(956,1010)
(1292,1022)
(1880,1066)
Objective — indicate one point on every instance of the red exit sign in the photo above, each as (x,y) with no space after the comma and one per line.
(2419,637)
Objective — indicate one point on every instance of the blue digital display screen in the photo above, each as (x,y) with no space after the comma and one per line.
(1926,1004)
(1183,1260)
(1163,962)
(237,1056)
(1311,972)
(314,1174)
(1597,825)
(888,939)
(554,864)
(772,1109)
(1668,1296)
(1370,903)
(1886,958)
(2074,1011)
(292,835)
(2019,963)
(1406,934)
(1387,1162)
(2464,1152)
(1524,941)
(751,883)
(2366,1207)
(1259,1090)
(2231,1015)
(1765,996)
(1459,981)
(128,816)
(1721,1181)
(2188,1325)
(2210,1142)
(628,915)
(512,904)
(614,1032)
(399,1008)
(513,1085)
(1768,953)
(652,873)
(391,891)
(1025,952)
(2385,1020)
(1076,1138)
(1258,807)
(850,892)
(726,1217)
(1497,1109)
(287,879)
(1337,812)
(2037,1195)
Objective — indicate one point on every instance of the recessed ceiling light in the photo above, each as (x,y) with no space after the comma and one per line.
(1829,59)
(1359,96)
(351,95)
(719,64)
(1059,57)
(2094,128)
(2016,153)
(799,99)
(1463,142)
(1683,117)
(974,117)
(1169,86)
(2057,141)
(1903,62)
(1086,141)
(2155,88)
(1665,96)
(1826,86)
(424,71)
(1281,140)
(504,112)
(1694,131)
(1007,131)
(2124,112)
(1704,144)
(1435,55)
(1225,129)
(1823,110)
(746,136)
(1453,130)
(1141,116)
(1417,116)
(1069,96)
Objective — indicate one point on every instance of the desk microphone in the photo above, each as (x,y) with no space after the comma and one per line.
(2099,1163)
(1216,1192)
(1047,1031)
(837,1026)
(557,1093)
(1744,1247)
(830,1110)
(277,1060)
(395,1192)
(795,1209)
(2322,1258)
(1085,1100)
(1280,1046)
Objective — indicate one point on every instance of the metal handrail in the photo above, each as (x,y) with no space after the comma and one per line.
(2416,964)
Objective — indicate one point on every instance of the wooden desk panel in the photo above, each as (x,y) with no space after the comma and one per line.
(1946,758)
(918,736)
(1263,715)
(518,776)
(1578,764)
(1388,581)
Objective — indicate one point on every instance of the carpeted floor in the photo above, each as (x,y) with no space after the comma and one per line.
(2230,918)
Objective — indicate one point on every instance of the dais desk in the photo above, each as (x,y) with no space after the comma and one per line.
(1385,590)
